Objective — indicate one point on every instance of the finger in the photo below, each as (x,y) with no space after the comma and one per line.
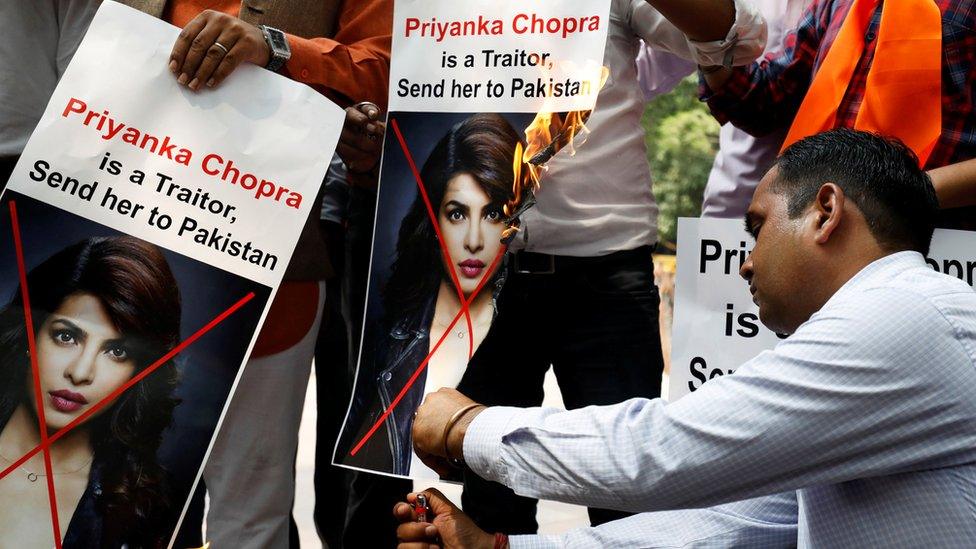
(350,136)
(228,63)
(370,110)
(417,531)
(375,130)
(404,512)
(370,146)
(418,545)
(355,119)
(213,57)
(439,503)
(359,153)
(198,49)
(183,41)
(347,153)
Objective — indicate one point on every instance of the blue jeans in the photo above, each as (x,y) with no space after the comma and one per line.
(595,320)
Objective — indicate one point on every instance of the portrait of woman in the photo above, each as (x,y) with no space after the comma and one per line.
(103,310)
(468,178)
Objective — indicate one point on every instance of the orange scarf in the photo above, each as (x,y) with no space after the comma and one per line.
(903,93)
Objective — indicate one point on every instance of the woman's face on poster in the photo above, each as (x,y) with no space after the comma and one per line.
(472,227)
(82,358)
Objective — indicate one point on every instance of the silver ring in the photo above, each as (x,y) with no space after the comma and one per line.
(223,47)
(368,103)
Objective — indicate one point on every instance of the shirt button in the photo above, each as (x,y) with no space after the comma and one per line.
(869,37)
(387,376)
(304,73)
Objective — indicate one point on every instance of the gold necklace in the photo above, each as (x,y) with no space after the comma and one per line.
(32,476)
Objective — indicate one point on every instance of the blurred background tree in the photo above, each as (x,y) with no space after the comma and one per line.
(682,139)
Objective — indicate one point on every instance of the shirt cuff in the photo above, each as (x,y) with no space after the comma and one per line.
(482,445)
(744,43)
(306,59)
(535,542)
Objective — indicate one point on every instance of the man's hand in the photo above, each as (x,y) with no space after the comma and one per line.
(428,428)
(198,57)
(361,140)
(451,529)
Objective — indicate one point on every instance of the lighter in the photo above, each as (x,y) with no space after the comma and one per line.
(422,508)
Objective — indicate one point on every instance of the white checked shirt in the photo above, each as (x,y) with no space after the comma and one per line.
(863,423)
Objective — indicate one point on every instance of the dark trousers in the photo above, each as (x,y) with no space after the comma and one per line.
(352,509)
(595,320)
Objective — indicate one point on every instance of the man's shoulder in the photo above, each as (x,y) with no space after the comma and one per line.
(924,285)
(900,296)
(917,303)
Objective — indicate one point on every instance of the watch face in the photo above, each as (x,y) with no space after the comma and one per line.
(280,51)
(278,39)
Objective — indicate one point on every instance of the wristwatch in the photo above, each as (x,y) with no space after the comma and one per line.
(278,43)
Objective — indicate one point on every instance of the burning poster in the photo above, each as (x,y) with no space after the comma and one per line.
(482,95)
(142,238)
(716,324)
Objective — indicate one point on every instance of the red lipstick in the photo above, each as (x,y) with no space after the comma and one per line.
(471,268)
(66,401)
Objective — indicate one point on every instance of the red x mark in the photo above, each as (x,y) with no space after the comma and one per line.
(47,441)
(465,303)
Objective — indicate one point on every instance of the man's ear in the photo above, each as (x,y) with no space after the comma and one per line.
(828,209)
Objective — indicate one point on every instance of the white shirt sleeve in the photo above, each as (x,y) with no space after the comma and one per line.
(876,384)
(658,72)
(769,521)
(743,44)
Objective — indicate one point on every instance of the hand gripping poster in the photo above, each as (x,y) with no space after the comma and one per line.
(143,233)
(716,324)
(482,94)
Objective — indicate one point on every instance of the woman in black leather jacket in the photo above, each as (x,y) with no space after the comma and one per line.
(468,179)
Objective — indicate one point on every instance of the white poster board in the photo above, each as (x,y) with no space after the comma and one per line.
(166,219)
(716,325)
(467,78)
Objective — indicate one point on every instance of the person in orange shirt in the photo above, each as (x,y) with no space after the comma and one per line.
(342,49)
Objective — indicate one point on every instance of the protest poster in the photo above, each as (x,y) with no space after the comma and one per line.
(468,80)
(716,324)
(145,230)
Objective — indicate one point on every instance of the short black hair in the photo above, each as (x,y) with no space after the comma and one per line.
(879,174)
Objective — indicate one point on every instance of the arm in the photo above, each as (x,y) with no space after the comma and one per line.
(353,66)
(955,184)
(701,20)
(742,42)
(847,396)
(765,96)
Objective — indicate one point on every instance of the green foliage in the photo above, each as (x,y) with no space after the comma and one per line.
(682,139)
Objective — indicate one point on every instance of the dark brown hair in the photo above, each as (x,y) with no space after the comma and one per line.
(133,281)
(482,146)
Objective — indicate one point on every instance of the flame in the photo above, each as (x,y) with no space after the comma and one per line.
(547,134)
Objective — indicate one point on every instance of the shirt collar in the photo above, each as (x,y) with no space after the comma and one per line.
(878,270)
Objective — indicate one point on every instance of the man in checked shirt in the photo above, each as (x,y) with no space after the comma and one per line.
(891,66)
